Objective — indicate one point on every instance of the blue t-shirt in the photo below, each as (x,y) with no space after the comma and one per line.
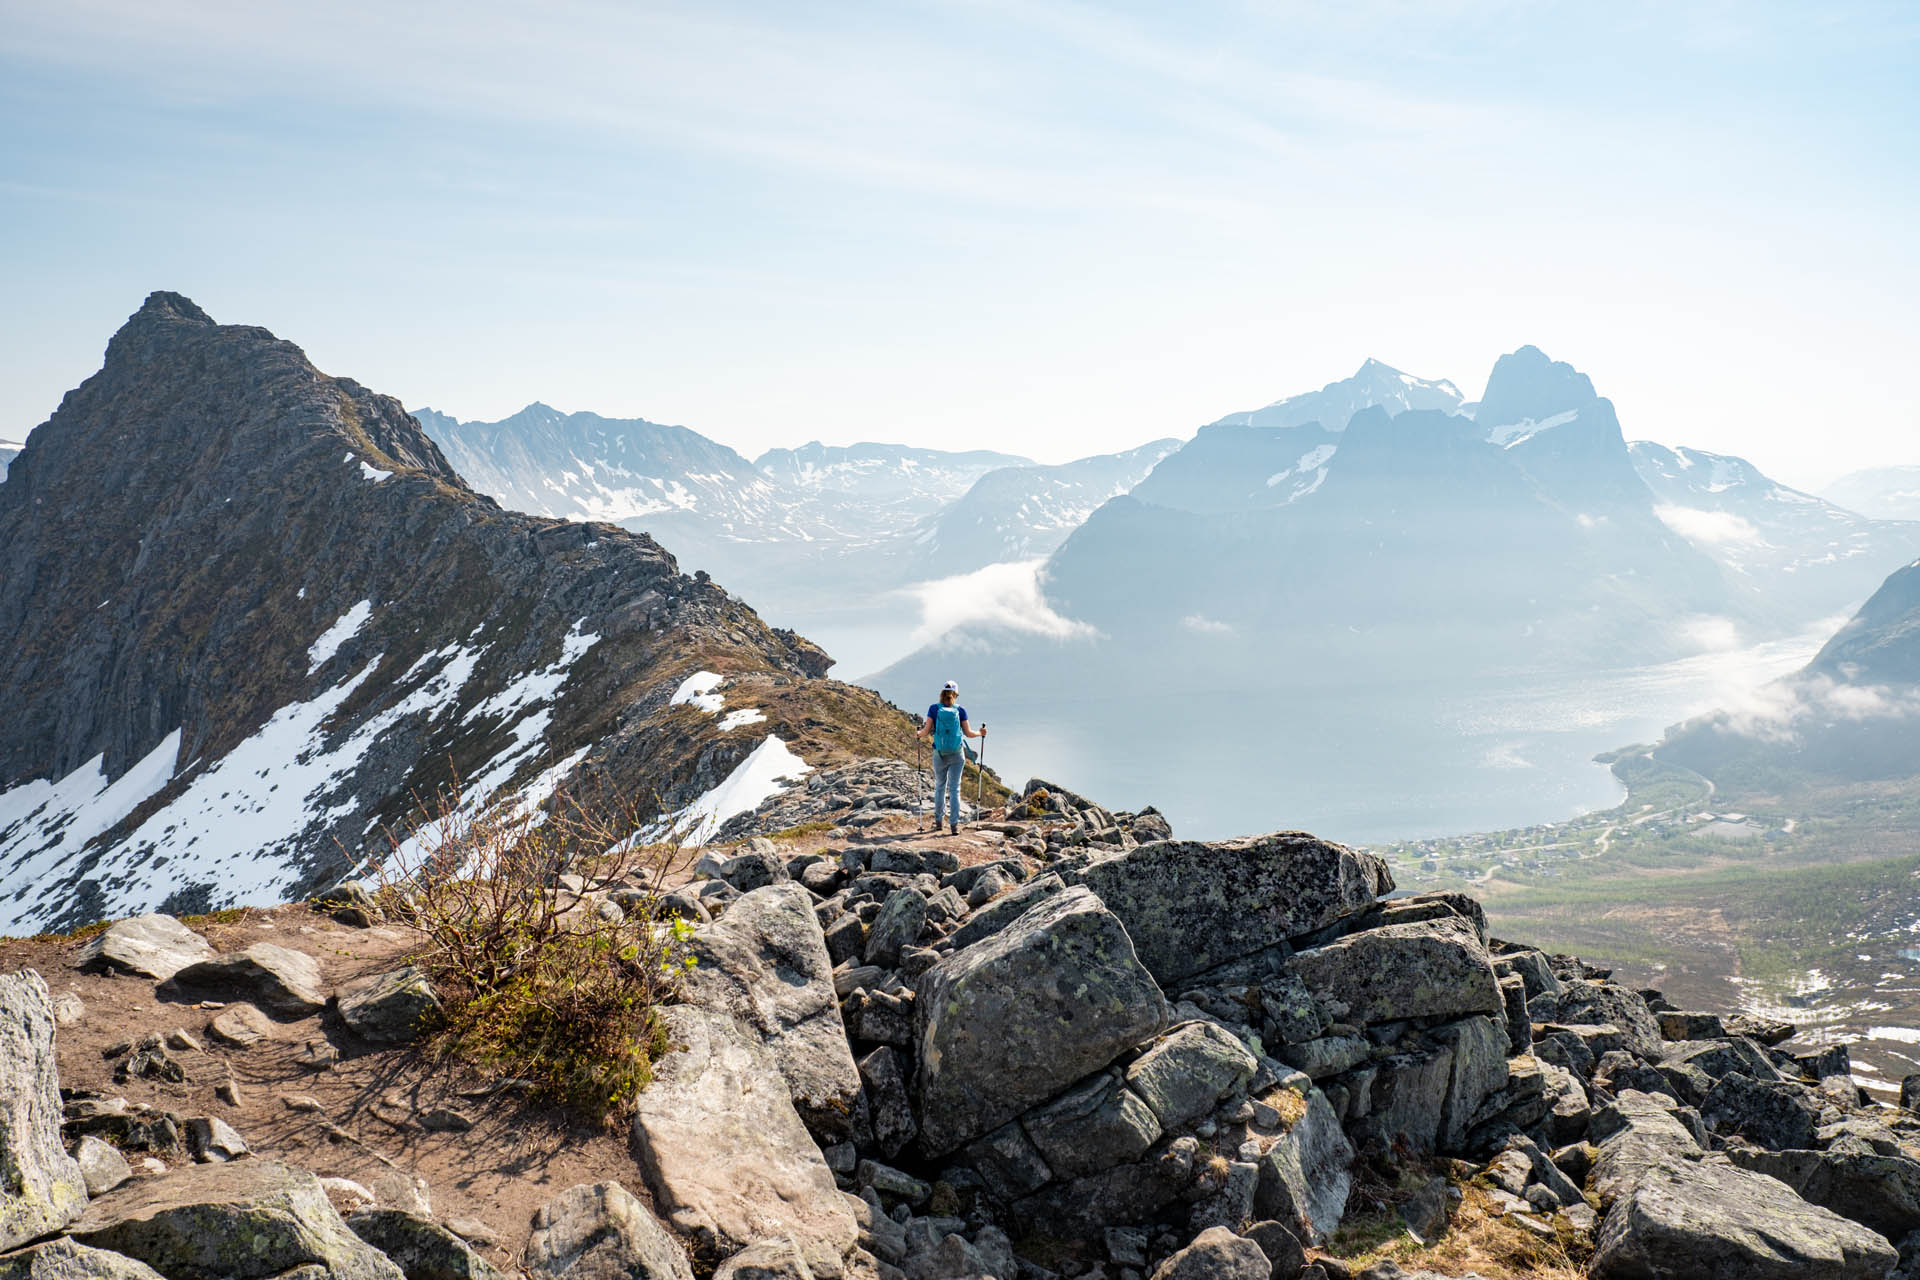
(936,707)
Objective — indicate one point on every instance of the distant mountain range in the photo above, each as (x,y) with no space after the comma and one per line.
(1888,493)
(253,615)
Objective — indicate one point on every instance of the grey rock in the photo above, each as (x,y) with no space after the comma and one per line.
(724,1151)
(1093,1126)
(766,963)
(845,938)
(422,1248)
(766,1260)
(1003,911)
(599,1231)
(1717,1058)
(990,885)
(1190,906)
(65,1260)
(1513,992)
(102,1167)
(1306,1175)
(1682,1024)
(1062,982)
(753,870)
(914,860)
(1531,968)
(1426,1211)
(1216,1254)
(152,946)
(1407,1099)
(282,982)
(42,1188)
(1327,1055)
(212,1140)
(1190,1069)
(1880,1191)
(879,1017)
(1478,1071)
(891,1182)
(1684,1220)
(889,1111)
(389,1008)
(247,1219)
(902,916)
(1083,1208)
(1635,1132)
(1432,969)
(1282,1247)
(240,1025)
(1774,1113)
(1597,1002)
(1008,1162)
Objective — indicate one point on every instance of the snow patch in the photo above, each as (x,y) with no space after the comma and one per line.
(741,718)
(767,770)
(321,651)
(697,690)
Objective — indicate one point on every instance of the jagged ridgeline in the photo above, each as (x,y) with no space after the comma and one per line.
(251,614)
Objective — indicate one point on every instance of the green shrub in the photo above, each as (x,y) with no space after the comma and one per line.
(537,984)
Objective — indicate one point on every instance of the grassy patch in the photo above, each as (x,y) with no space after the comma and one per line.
(802,831)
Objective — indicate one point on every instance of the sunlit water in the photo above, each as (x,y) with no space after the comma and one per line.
(1386,764)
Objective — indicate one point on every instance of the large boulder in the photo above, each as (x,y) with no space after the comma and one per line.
(1216,1254)
(62,1259)
(1012,1020)
(765,962)
(281,981)
(42,1188)
(389,1008)
(153,946)
(247,1219)
(1776,1114)
(600,1232)
(421,1247)
(1477,1072)
(1003,911)
(1189,906)
(1880,1191)
(1429,969)
(1189,1070)
(724,1152)
(1598,1002)
(1685,1220)
(1095,1125)
(1636,1132)
(1306,1174)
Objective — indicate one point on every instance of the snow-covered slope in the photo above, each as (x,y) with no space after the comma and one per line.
(893,486)
(1885,493)
(1375,385)
(9,450)
(1794,547)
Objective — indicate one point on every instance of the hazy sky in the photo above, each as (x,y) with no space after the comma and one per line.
(1053,228)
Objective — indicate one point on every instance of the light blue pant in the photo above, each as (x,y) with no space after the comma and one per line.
(949,770)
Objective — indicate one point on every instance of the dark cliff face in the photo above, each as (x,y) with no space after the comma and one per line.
(214,544)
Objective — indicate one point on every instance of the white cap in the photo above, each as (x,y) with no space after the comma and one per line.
(949,687)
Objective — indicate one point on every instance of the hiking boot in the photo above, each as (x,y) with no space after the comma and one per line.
(954,829)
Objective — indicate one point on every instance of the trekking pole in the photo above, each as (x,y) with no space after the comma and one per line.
(980,772)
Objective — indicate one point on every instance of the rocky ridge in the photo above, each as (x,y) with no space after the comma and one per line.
(1064,1044)
(253,617)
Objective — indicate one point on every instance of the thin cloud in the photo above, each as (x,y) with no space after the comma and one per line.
(1006,597)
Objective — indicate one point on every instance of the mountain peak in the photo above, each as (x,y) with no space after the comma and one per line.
(163,305)
(1527,385)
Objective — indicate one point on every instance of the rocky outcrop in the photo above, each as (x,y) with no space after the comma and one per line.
(1684,1220)
(253,616)
(389,1008)
(62,1259)
(601,1232)
(149,946)
(1062,982)
(766,963)
(254,1218)
(724,1152)
(283,982)
(41,1187)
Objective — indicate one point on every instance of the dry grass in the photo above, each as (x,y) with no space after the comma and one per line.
(1290,1103)
(1476,1240)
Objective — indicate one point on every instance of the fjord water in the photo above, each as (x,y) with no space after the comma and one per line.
(1371,764)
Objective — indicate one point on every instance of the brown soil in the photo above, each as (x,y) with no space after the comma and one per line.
(517,1156)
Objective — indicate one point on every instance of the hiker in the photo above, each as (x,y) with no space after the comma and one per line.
(947,725)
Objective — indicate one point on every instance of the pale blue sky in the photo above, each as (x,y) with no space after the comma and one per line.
(1049,227)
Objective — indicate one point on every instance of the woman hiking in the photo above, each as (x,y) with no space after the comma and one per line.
(947,726)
